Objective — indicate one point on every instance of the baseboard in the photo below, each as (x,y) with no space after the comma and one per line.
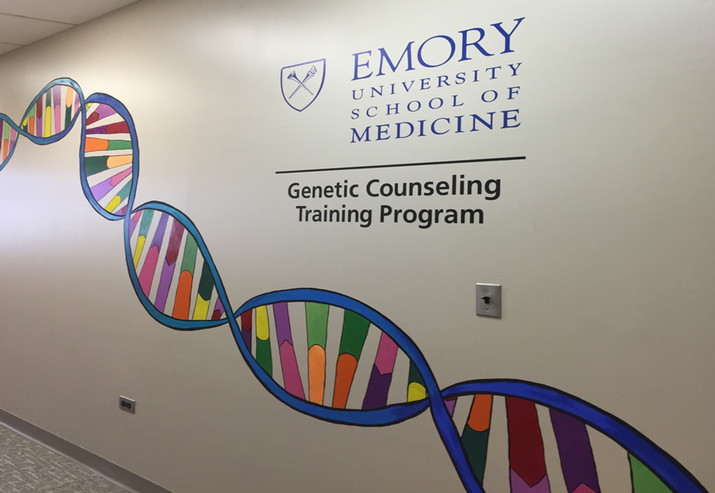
(93,461)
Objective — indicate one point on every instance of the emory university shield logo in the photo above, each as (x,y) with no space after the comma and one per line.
(301,84)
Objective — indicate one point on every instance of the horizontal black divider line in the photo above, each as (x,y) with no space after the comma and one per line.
(403,165)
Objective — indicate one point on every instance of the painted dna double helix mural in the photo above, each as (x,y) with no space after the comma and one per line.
(361,368)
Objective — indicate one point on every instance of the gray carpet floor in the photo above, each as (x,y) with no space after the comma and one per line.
(26,465)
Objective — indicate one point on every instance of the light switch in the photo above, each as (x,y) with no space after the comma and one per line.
(489,300)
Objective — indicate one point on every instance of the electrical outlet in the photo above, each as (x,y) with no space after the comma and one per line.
(127,404)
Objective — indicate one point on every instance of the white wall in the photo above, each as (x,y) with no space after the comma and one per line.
(602,238)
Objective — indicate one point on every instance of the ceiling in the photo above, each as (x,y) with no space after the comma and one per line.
(23,22)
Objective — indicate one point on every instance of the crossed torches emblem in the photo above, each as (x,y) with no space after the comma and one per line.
(301,83)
